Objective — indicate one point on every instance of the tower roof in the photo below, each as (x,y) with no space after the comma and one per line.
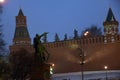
(20,12)
(21,35)
(110,16)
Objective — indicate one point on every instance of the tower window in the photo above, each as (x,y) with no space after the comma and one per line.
(22,21)
(18,21)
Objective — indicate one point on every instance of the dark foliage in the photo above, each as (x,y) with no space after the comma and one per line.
(65,37)
(2,42)
(4,68)
(57,37)
(75,34)
(21,63)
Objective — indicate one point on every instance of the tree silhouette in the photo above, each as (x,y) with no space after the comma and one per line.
(4,69)
(21,63)
(2,42)
(57,37)
(65,37)
(75,34)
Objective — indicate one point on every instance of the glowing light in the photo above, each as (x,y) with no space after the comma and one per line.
(86,33)
(53,65)
(105,67)
(51,70)
(1,1)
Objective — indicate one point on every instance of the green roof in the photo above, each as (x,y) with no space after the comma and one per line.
(110,16)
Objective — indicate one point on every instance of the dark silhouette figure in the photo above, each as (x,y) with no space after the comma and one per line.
(41,53)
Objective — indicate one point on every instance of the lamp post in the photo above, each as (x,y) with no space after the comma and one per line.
(82,55)
(105,67)
(82,64)
(51,68)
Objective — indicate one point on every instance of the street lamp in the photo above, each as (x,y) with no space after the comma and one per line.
(82,55)
(51,68)
(86,33)
(105,67)
(82,63)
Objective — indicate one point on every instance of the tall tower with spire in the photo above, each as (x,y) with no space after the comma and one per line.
(21,37)
(110,27)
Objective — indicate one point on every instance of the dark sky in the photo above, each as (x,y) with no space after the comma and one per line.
(57,16)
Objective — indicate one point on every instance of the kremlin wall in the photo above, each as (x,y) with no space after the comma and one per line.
(99,51)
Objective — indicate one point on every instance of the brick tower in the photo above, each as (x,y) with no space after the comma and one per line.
(110,27)
(21,36)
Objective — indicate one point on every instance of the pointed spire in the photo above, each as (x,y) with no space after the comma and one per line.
(110,16)
(20,12)
(21,31)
